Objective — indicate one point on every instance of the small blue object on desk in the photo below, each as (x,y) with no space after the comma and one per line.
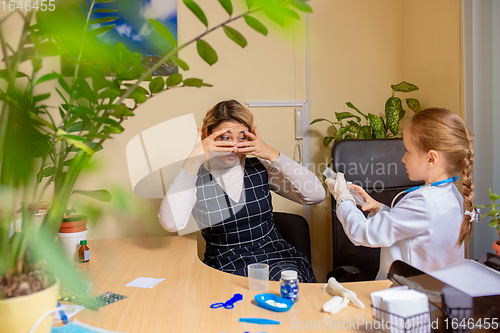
(262,321)
(64,318)
(274,302)
(229,304)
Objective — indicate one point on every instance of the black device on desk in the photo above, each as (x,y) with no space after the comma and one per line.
(492,260)
(458,312)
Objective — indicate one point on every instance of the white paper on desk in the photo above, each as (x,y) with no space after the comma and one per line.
(144,282)
(464,276)
(69,314)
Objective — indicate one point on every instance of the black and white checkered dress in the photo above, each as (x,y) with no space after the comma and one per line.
(241,233)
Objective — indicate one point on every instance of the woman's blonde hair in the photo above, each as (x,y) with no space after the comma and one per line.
(226,111)
(444,131)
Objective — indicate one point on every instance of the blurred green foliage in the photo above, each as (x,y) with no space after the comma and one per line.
(44,147)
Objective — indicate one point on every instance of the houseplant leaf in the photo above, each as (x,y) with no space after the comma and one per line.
(494,196)
(340,132)
(228,6)
(413,104)
(48,77)
(290,13)
(163,31)
(327,140)
(393,108)
(180,63)
(275,16)
(101,30)
(302,6)
(156,85)
(206,52)
(235,36)
(404,87)
(317,120)
(350,105)
(344,115)
(103,20)
(377,126)
(256,24)
(174,80)
(193,82)
(365,132)
(250,3)
(101,195)
(193,7)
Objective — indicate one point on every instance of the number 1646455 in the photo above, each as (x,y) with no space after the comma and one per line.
(27,5)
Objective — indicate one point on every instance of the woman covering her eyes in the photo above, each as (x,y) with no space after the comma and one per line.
(229,195)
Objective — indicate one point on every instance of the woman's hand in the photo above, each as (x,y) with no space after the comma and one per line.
(256,147)
(371,204)
(206,149)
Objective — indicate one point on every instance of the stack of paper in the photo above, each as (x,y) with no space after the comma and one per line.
(402,310)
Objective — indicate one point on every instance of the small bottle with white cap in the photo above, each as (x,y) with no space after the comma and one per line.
(289,285)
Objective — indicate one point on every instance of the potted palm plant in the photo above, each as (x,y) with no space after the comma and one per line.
(494,213)
(44,145)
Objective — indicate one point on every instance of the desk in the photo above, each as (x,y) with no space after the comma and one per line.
(181,303)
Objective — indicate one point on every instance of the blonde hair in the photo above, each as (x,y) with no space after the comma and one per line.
(226,111)
(444,131)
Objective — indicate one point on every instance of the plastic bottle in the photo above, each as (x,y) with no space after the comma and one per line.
(289,285)
(329,173)
(83,251)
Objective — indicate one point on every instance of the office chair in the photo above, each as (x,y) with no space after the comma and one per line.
(294,230)
(375,165)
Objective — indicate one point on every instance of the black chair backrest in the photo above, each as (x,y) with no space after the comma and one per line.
(295,231)
(376,166)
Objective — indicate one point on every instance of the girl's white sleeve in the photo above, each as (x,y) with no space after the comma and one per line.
(411,217)
(179,201)
(294,181)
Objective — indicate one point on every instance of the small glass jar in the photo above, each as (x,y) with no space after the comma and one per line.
(289,285)
(83,251)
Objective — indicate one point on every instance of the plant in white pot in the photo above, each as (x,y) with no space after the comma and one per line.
(45,143)
(494,213)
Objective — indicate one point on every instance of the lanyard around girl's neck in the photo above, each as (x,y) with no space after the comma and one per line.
(441,182)
(411,189)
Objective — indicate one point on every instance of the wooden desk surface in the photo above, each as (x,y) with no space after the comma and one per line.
(181,303)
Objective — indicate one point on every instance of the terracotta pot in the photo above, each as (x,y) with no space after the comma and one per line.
(496,247)
(18,314)
(79,225)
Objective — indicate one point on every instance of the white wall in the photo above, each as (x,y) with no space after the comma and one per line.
(482,105)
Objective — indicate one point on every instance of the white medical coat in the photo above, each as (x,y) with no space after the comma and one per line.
(422,229)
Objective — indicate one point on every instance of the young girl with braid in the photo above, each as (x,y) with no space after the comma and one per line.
(427,227)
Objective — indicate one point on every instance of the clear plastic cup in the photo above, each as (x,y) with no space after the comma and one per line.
(258,277)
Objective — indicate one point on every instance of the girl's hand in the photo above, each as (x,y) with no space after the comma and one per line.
(371,204)
(256,147)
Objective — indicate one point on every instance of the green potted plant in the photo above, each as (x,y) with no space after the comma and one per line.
(45,146)
(494,213)
(351,126)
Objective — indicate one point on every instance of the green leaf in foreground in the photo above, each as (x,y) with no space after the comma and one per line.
(163,31)
(193,7)
(101,195)
(235,36)
(180,63)
(174,80)
(228,6)
(206,52)
(256,24)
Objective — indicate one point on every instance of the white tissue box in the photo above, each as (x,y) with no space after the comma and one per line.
(401,310)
